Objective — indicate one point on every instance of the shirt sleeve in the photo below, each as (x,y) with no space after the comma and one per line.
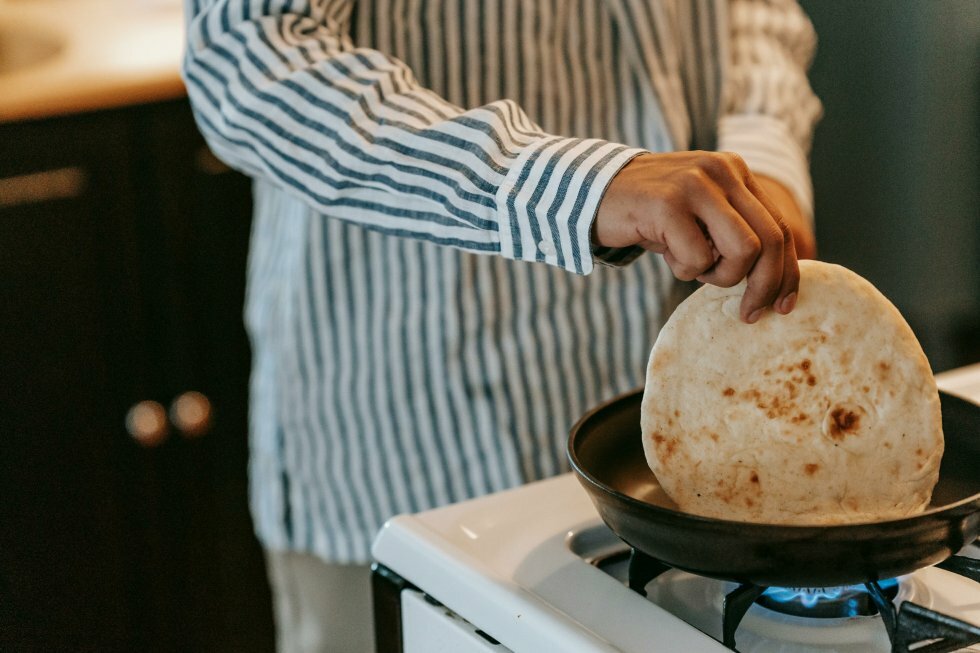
(280,91)
(768,108)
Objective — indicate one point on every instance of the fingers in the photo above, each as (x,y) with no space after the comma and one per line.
(773,278)
(711,220)
(785,296)
(765,279)
(688,251)
(736,244)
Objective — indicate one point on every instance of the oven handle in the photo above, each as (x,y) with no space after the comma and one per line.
(386,592)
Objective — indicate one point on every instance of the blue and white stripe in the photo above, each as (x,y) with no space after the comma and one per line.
(393,143)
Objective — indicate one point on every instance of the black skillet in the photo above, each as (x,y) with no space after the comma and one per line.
(607,455)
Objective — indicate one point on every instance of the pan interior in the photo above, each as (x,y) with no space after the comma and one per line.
(607,446)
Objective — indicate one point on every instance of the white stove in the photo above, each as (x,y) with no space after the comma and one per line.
(534,570)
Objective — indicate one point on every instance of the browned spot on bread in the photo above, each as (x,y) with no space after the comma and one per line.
(811,468)
(843,422)
(800,418)
(805,364)
(677,413)
(666,446)
(777,401)
(883,368)
(728,392)
(749,502)
(865,389)
(811,380)
(754,478)
(713,436)
(663,361)
(724,493)
(918,452)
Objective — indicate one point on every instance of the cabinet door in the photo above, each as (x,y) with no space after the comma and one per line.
(69,340)
(209,576)
(122,265)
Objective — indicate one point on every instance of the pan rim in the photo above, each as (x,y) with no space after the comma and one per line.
(711,522)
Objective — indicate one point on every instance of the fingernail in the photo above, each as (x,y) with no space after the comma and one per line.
(789,301)
(754,316)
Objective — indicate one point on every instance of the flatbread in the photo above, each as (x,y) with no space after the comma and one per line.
(828,415)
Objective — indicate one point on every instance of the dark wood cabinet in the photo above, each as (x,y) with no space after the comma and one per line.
(122,265)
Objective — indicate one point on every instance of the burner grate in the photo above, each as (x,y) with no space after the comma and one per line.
(911,628)
(913,625)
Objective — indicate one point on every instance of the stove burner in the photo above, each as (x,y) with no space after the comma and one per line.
(825,602)
(912,627)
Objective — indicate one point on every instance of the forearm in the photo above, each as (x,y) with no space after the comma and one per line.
(286,95)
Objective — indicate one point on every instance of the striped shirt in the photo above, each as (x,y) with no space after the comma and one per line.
(426,315)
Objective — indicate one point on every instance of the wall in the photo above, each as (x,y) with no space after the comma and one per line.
(896,161)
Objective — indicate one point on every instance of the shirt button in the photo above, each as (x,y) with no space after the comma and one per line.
(546,248)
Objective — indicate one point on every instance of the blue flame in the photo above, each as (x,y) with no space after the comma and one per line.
(809,597)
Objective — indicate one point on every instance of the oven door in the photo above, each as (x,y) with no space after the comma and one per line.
(428,627)
(406,620)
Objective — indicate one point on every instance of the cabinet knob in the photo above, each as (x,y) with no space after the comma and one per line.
(207,163)
(191,414)
(147,423)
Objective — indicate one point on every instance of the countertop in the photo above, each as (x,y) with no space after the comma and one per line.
(95,54)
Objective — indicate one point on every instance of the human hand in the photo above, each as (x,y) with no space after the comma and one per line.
(711,220)
(792,215)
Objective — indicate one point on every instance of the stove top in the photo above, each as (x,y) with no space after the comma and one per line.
(849,621)
(537,569)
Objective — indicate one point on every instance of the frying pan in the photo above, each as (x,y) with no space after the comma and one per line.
(606,453)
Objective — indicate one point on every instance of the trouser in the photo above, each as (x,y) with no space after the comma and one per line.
(320,607)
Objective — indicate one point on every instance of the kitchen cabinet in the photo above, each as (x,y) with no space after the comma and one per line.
(122,262)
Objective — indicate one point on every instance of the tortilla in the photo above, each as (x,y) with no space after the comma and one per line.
(828,415)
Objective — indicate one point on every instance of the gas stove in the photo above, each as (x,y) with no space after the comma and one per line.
(534,570)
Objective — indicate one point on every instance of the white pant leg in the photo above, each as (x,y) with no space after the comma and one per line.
(320,607)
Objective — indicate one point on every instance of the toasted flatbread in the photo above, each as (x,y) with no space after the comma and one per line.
(828,415)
